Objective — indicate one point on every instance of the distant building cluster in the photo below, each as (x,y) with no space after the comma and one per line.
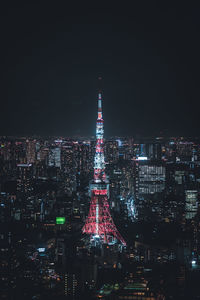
(154,185)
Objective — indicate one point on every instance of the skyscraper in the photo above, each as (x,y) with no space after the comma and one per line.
(191,203)
(24,178)
(31,151)
(55,157)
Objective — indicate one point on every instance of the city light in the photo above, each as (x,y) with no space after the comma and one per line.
(41,250)
(60,220)
(99,221)
(96,206)
(142,158)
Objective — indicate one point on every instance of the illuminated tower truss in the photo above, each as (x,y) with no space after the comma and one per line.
(99,223)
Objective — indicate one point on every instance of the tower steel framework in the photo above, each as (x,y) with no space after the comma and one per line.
(99,223)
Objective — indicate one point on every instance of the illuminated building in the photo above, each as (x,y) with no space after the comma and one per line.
(151,177)
(72,283)
(69,168)
(184,151)
(154,151)
(99,224)
(55,157)
(150,181)
(111,151)
(136,291)
(125,148)
(42,154)
(31,152)
(191,203)
(24,178)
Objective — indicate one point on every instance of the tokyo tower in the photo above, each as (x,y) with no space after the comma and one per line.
(99,223)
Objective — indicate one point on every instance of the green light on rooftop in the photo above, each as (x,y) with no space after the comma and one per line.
(60,220)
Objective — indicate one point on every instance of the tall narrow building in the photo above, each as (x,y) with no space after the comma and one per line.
(99,223)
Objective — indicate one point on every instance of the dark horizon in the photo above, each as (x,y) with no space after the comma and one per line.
(51,58)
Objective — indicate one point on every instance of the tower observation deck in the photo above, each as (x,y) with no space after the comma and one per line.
(99,223)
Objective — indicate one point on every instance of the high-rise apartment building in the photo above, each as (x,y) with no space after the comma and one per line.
(191,203)
(24,178)
(54,157)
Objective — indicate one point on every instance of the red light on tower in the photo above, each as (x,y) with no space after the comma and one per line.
(99,223)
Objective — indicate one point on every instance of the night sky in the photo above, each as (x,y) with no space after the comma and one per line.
(147,54)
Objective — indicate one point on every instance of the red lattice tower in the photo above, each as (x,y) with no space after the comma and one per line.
(99,223)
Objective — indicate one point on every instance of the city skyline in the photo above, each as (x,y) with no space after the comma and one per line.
(86,214)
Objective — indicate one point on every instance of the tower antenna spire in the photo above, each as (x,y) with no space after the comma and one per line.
(99,223)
